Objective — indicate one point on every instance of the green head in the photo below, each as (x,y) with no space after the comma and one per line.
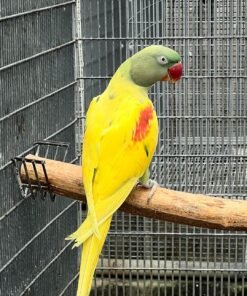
(155,63)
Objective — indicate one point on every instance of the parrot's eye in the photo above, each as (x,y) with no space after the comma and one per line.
(162,60)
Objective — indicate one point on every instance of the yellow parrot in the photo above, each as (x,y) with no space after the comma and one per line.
(121,135)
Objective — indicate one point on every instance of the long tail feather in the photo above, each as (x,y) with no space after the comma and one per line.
(104,209)
(82,233)
(92,243)
(91,250)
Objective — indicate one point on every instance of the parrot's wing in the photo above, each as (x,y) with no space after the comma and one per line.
(90,160)
(104,211)
(114,155)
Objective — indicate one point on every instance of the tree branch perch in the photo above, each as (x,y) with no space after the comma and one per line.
(180,207)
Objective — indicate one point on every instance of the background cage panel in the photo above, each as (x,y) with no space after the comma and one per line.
(37,91)
(202,145)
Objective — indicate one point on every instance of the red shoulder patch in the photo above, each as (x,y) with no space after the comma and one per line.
(142,126)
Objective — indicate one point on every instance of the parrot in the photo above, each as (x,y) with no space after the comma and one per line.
(121,134)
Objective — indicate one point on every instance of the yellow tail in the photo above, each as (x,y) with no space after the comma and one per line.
(93,242)
(104,209)
(90,254)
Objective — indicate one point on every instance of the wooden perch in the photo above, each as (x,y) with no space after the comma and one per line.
(180,207)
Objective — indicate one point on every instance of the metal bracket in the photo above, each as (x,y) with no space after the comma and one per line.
(47,145)
(47,149)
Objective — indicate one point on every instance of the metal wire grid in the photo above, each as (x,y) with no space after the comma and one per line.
(37,92)
(202,145)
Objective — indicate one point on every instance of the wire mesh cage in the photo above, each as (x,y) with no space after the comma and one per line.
(37,90)
(54,57)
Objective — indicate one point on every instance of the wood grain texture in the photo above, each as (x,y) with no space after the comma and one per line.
(180,207)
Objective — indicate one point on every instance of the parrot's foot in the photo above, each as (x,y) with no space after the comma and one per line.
(152,185)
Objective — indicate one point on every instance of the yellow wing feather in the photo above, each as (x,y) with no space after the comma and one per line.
(108,137)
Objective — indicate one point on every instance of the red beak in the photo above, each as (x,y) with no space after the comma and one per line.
(174,73)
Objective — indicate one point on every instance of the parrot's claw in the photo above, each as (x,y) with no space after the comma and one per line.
(152,185)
